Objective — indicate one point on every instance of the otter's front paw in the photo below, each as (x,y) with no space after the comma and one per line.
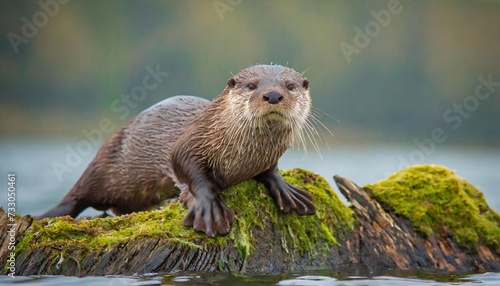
(287,198)
(209,216)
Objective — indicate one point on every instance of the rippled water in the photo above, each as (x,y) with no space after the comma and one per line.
(230,280)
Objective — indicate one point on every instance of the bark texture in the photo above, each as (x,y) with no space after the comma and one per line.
(378,239)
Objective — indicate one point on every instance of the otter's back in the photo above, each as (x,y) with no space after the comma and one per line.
(146,149)
(151,135)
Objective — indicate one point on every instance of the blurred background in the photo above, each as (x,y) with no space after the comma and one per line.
(385,75)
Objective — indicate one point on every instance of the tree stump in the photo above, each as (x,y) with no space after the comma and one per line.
(377,232)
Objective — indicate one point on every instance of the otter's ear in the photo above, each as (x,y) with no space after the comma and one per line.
(305,83)
(231,82)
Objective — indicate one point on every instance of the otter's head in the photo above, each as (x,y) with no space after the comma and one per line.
(269,95)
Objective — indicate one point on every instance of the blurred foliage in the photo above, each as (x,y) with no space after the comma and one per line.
(425,60)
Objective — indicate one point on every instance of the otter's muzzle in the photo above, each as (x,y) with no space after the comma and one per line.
(273,97)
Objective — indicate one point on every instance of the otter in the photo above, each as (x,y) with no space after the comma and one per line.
(192,148)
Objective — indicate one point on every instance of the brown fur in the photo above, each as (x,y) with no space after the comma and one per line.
(241,135)
(132,170)
(201,148)
(233,128)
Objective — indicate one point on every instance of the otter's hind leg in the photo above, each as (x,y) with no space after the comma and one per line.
(285,196)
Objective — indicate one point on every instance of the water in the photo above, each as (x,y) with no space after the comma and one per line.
(39,188)
(223,279)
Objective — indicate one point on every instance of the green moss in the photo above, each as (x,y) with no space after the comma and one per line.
(249,200)
(437,201)
(316,233)
(299,233)
(103,233)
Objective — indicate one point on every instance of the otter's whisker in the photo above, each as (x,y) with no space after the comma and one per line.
(302,73)
(309,131)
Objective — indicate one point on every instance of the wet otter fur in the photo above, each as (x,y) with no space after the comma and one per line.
(201,147)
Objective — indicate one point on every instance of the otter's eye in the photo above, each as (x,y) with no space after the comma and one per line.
(251,86)
(290,87)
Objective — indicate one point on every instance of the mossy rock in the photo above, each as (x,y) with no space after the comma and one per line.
(437,201)
(249,200)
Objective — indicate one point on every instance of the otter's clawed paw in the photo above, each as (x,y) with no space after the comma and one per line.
(211,217)
(287,198)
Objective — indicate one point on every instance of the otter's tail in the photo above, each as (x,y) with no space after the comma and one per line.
(62,209)
(71,204)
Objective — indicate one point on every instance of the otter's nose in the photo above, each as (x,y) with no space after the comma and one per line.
(273,97)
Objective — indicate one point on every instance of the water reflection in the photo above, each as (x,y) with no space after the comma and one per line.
(225,279)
